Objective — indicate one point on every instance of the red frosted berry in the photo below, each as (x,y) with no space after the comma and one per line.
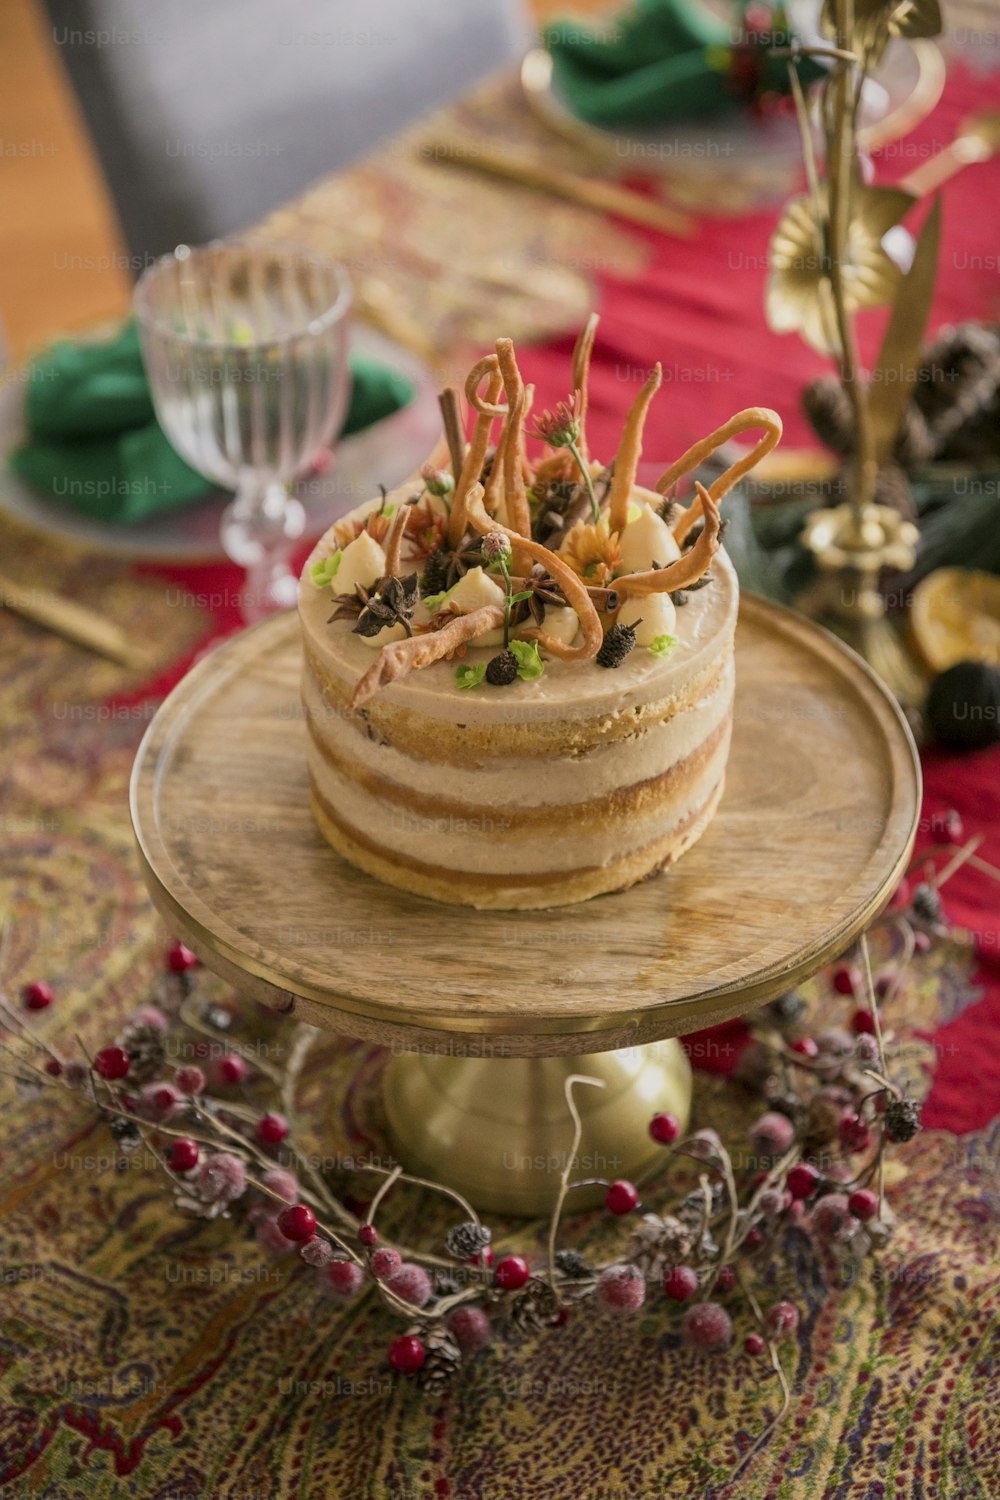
(471,1328)
(726,1279)
(832,1218)
(782,1319)
(407,1354)
(802,1180)
(190,1080)
(621,1197)
(708,1327)
(344,1278)
(368,1235)
(847,979)
(863,1204)
(665,1129)
(680,1283)
(805,1046)
(112,1062)
(754,1238)
(412,1283)
(772,1134)
(483,1257)
(621,1289)
(183,1155)
(511,1273)
(754,1344)
(232,1068)
(271,1129)
(853,1132)
(180,959)
(862,1023)
(158,1101)
(921,941)
(37,995)
(385,1263)
(297,1222)
(53,1067)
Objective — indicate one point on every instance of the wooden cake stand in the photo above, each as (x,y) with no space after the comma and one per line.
(487,1013)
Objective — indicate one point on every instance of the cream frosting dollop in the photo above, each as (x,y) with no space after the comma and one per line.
(472,591)
(647,540)
(361,562)
(652,615)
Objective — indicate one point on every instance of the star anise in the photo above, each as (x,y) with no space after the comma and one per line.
(391,604)
(349,606)
(445,567)
(544,592)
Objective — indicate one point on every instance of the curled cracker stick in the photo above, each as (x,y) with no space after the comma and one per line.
(753,416)
(687,569)
(399,658)
(573,587)
(630,451)
(394,540)
(515,494)
(476,456)
(581,369)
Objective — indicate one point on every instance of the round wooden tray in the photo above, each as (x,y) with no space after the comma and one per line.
(814,830)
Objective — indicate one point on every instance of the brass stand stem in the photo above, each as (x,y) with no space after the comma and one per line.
(498,1130)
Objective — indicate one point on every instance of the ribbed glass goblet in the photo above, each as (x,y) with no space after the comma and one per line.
(245,346)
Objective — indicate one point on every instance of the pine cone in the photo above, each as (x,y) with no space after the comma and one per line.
(657,1245)
(829,410)
(501,670)
(828,407)
(617,644)
(434,579)
(914,445)
(572,1264)
(466,1240)
(443,1356)
(893,488)
(959,380)
(536,1307)
(144,1045)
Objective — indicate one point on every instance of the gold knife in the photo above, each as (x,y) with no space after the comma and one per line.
(84,627)
(587,192)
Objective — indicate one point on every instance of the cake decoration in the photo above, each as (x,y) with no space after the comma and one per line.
(529,639)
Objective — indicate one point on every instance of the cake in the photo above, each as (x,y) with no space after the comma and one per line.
(518,673)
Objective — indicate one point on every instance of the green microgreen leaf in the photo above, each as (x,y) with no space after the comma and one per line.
(470,677)
(325,571)
(663,645)
(529,663)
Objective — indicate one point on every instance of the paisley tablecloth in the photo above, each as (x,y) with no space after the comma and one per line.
(148,1355)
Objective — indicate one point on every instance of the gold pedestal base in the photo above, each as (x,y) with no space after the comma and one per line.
(497,1128)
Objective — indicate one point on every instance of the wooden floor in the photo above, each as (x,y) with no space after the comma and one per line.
(62,261)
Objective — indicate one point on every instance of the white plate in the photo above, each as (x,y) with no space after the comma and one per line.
(382,454)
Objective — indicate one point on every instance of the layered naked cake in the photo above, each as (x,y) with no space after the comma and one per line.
(518,676)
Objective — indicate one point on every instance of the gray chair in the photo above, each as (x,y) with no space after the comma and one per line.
(206,114)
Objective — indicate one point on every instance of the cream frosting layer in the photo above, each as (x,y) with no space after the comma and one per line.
(531,781)
(487,840)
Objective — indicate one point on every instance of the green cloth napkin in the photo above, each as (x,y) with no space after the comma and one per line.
(94,441)
(670,60)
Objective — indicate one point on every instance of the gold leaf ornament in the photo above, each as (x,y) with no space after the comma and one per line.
(877,21)
(799,296)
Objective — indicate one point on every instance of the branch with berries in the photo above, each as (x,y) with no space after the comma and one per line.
(700,1240)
